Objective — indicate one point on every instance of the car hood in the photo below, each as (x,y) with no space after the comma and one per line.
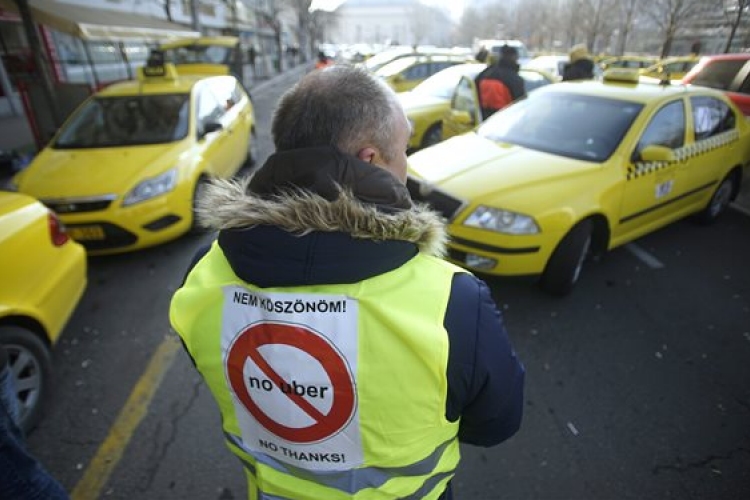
(478,169)
(411,101)
(57,173)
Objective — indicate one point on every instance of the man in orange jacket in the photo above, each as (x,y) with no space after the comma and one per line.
(500,84)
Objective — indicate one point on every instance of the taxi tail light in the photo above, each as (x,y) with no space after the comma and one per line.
(57,231)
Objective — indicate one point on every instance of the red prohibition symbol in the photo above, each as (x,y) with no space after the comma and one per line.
(246,346)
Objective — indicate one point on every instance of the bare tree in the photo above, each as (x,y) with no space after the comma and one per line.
(489,21)
(270,16)
(671,15)
(628,9)
(303,30)
(594,20)
(739,7)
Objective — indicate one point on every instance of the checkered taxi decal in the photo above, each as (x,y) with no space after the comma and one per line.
(681,154)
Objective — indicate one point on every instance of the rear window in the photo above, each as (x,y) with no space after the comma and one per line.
(718,74)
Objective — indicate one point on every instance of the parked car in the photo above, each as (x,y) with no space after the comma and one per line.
(464,113)
(550,64)
(426,103)
(579,168)
(125,169)
(43,277)
(405,73)
(727,72)
(633,62)
(671,68)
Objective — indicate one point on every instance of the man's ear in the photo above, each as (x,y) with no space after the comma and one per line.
(367,154)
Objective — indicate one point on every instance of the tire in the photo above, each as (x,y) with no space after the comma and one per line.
(719,201)
(564,266)
(31,364)
(433,135)
(200,185)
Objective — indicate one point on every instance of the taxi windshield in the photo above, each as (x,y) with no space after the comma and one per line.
(126,121)
(577,126)
(396,67)
(443,84)
(199,54)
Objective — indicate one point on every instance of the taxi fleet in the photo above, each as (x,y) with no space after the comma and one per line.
(125,169)
(580,168)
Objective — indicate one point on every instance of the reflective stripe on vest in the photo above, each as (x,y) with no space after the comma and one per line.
(392,435)
(355,480)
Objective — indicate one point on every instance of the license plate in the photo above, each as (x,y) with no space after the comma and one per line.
(84,233)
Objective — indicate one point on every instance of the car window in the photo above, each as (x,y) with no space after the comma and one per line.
(718,74)
(227,91)
(711,116)
(745,87)
(209,109)
(126,121)
(418,71)
(666,128)
(463,99)
(576,126)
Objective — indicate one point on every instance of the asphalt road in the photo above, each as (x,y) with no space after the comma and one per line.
(638,384)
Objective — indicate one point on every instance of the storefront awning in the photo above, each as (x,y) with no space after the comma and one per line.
(94,24)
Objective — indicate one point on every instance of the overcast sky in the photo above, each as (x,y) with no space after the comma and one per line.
(455,7)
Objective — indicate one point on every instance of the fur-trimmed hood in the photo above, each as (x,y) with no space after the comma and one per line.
(322,189)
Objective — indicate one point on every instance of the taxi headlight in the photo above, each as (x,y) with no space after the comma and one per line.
(151,188)
(502,221)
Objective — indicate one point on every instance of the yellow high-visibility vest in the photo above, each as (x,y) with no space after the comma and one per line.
(327,391)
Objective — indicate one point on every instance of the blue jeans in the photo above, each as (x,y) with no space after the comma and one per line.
(21,476)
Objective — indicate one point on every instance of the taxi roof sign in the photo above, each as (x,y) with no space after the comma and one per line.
(156,68)
(623,75)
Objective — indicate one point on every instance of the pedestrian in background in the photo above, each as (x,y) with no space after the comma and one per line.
(580,66)
(348,359)
(22,477)
(499,84)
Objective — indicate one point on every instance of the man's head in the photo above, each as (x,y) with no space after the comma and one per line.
(578,52)
(348,108)
(508,53)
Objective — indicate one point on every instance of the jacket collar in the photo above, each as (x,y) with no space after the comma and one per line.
(322,189)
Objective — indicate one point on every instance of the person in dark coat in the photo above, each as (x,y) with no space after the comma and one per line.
(580,67)
(500,84)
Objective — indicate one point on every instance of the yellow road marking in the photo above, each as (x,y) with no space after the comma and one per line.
(110,451)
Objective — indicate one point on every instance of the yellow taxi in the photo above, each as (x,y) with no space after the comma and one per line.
(636,62)
(580,168)
(426,103)
(124,170)
(407,72)
(43,277)
(464,113)
(671,68)
(205,55)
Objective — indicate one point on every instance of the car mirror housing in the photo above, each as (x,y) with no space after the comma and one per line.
(210,127)
(657,153)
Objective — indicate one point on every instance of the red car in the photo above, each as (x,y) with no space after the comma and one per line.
(727,72)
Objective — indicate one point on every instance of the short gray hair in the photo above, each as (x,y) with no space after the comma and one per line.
(341,106)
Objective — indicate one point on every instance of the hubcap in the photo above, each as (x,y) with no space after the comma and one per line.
(721,198)
(27,376)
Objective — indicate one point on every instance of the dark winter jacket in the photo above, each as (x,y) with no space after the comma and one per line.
(505,72)
(317,216)
(582,69)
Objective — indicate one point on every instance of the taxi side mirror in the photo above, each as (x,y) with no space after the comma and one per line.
(657,153)
(209,127)
(462,117)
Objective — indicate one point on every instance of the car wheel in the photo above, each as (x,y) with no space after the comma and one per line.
(564,266)
(31,365)
(433,135)
(200,188)
(719,201)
